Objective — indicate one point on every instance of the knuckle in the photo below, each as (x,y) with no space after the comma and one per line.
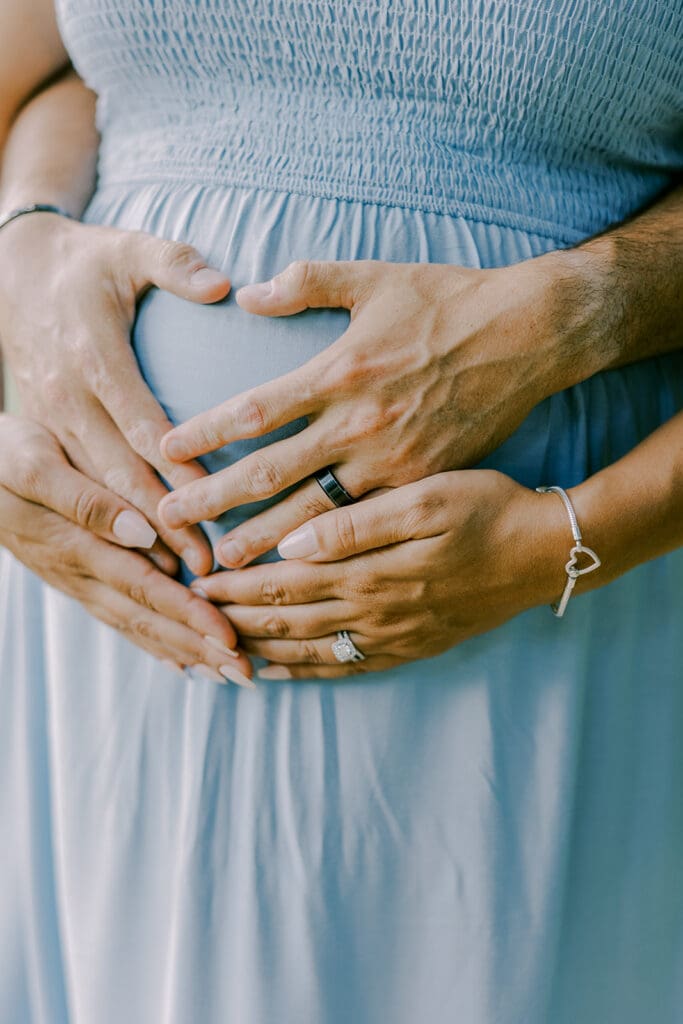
(422,511)
(28,479)
(345,530)
(272,593)
(91,511)
(143,437)
(72,559)
(253,415)
(143,629)
(263,478)
(173,255)
(211,433)
(310,653)
(276,626)
(301,274)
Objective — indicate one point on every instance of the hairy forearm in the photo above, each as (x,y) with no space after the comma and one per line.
(50,149)
(618,297)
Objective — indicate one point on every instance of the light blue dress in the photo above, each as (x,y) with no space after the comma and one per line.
(493,836)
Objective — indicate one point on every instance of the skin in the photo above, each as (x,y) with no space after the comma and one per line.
(71,317)
(578,313)
(412,572)
(61,525)
(439,365)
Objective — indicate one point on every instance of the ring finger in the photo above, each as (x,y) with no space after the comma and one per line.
(313,651)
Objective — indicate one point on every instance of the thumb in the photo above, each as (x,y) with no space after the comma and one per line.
(174,266)
(391,517)
(309,284)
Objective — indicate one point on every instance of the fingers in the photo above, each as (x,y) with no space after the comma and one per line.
(71,494)
(307,284)
(262,532)
(201,630)
(117,467)
(314,650)
(404,513)
(301,621)
(250,414)
(260,475)
(145,585)
(281,583)
(163,637)
(174,266)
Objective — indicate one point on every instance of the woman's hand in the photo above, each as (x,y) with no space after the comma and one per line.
(409,573)
(73,533)
(439,365)
(68,295)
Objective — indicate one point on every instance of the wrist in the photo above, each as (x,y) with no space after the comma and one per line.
(583,312)
(32,228)
(537,538)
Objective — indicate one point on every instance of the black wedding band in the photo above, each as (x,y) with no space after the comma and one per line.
(337,494)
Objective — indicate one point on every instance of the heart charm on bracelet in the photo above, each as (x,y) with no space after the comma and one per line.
(579,549)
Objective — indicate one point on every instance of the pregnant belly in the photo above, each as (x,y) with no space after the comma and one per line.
(195,357)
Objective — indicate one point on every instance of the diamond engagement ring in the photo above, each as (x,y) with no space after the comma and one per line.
(345,650)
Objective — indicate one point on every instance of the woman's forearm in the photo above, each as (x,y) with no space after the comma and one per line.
(619,296)
(632,511)
(51,149)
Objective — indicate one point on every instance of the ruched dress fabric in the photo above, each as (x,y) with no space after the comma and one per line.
(491,836)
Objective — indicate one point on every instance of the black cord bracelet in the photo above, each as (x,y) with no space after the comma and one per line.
(22,211)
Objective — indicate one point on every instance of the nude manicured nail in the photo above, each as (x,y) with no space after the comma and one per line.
(199,592)
(299,544)
(220,646)
(133,530)
(235,676)
(274,672)
(209,673)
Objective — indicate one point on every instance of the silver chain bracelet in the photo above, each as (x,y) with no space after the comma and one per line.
(573,573)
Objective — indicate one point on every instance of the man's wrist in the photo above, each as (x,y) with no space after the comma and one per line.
(586,311)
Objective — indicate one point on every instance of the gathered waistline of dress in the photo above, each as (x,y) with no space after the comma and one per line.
(422,168)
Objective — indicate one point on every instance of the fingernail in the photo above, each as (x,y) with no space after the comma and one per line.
(274,672)
(173,511)
(208,673)
(175,449)
(220,646)
(256,291)
(229,552)
(133,530)
(199,592)
(193,560)
(205,277)
(235,676)
(298,544)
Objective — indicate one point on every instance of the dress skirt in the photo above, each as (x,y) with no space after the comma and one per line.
(490,836)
